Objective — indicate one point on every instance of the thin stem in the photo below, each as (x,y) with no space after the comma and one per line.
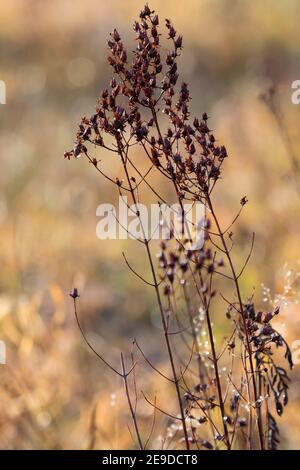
(215,359)
(196,341)
(132,412)
(159,301)
(248,344)
(216,370)
(89,344)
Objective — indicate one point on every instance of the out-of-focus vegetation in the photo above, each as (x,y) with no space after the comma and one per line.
(54,393)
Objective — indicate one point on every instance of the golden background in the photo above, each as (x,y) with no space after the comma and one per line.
(53,392)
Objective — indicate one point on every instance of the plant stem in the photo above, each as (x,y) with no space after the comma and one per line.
(132,412)
(159,301)
(216,370)
(248,344)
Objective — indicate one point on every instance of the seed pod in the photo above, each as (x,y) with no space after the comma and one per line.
(207,445)
(74,294)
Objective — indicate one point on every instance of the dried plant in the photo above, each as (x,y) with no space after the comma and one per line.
(145,109)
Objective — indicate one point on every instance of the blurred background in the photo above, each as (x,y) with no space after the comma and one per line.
(54,393)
